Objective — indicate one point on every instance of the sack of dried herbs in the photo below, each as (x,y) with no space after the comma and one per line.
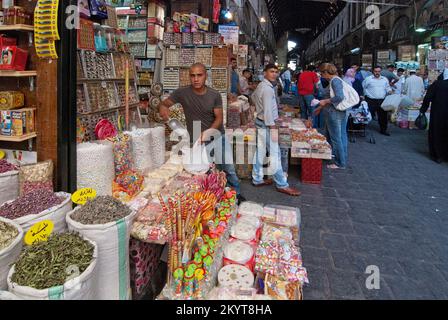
(107,221)
(11,235)
(39,205)
(9,181)
(62,268)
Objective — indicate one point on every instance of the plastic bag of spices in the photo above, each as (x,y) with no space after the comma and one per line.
(36,176)
(11,235)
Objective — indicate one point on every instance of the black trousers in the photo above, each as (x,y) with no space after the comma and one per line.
(375,107)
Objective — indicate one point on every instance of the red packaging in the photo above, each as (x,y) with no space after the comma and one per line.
(311,171)
(13,58)
(5,41)
(249,264)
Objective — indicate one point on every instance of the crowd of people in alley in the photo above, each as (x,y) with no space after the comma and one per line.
(323,92)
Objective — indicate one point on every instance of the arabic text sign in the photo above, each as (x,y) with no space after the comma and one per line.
(39,232)
(82,195)
(230,34)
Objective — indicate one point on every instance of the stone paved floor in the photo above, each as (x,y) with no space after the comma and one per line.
(388,209)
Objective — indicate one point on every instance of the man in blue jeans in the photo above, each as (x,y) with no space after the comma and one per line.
(266,103)
(203,107)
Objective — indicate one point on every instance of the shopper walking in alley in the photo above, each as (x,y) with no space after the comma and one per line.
(414,87)
(234,79)
(336,122)
(266,103)
(398,86)
(204,105)
(390,75)
(286,77)
(437,98)
(307,86)
(376,88)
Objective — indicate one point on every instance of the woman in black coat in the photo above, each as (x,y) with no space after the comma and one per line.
(437,95)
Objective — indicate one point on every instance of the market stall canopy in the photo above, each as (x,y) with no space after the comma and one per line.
(289,15)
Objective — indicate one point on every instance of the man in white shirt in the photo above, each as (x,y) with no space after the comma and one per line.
(414,86)
(398,86)
(265,100)
(376,88)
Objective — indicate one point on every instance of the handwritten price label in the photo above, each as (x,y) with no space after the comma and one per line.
(82,195)
(39,232)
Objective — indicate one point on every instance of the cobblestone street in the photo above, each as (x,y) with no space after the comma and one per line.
(388,209)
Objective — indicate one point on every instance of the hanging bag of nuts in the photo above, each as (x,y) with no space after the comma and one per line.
(108,222)
(36,176)
(11,235)
(69,276)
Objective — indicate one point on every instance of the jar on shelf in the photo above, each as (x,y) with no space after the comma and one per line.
(100,38)
(110,38)
(119,40)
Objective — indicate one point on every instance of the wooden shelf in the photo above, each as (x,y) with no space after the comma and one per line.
(81,80)
(131,105)
(7,73)
(18,138)
(17,27)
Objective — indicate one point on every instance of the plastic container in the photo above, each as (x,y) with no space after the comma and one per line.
(311,171)
(100,38)
(110,38)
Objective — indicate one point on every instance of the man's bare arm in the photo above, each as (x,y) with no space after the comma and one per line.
(164,108)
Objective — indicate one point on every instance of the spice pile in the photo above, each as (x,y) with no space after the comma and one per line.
(7,234)
(101,210)
(33,202)
(5,166)
(45,264)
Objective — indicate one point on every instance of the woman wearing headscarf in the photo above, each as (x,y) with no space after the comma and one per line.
(437,96)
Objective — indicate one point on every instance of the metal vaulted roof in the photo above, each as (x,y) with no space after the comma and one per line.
(289,15)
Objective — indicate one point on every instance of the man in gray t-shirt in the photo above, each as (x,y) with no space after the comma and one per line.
(206,108)
(204,104)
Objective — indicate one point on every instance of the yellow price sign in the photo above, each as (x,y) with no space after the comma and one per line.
(82,195)
(2,154)
(40,231)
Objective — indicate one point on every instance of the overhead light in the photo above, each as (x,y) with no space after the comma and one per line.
(228,15)
(262,20)
(356,50)
(420,30)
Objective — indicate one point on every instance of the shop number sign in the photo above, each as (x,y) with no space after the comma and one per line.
(40,231)
(82,195)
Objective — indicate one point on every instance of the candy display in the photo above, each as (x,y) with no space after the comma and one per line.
(157,146)
(172,57)
(244,231)
(141,148)
(95,163)
(33,202)
(203,55)
(219,79)
(149,224)
(238,252)
(236,277)
(35,269)
(8,233)
(127,185)
(250,209)
(186,57)
(101,210)
(220,57)
(122,147)
(36,176)
(170,79)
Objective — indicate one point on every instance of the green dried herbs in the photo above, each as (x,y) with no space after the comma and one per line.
(101,210)
(7,234)
(48,264)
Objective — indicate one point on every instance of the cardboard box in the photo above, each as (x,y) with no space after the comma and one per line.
(17,122)
(13,58)
(11,100)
